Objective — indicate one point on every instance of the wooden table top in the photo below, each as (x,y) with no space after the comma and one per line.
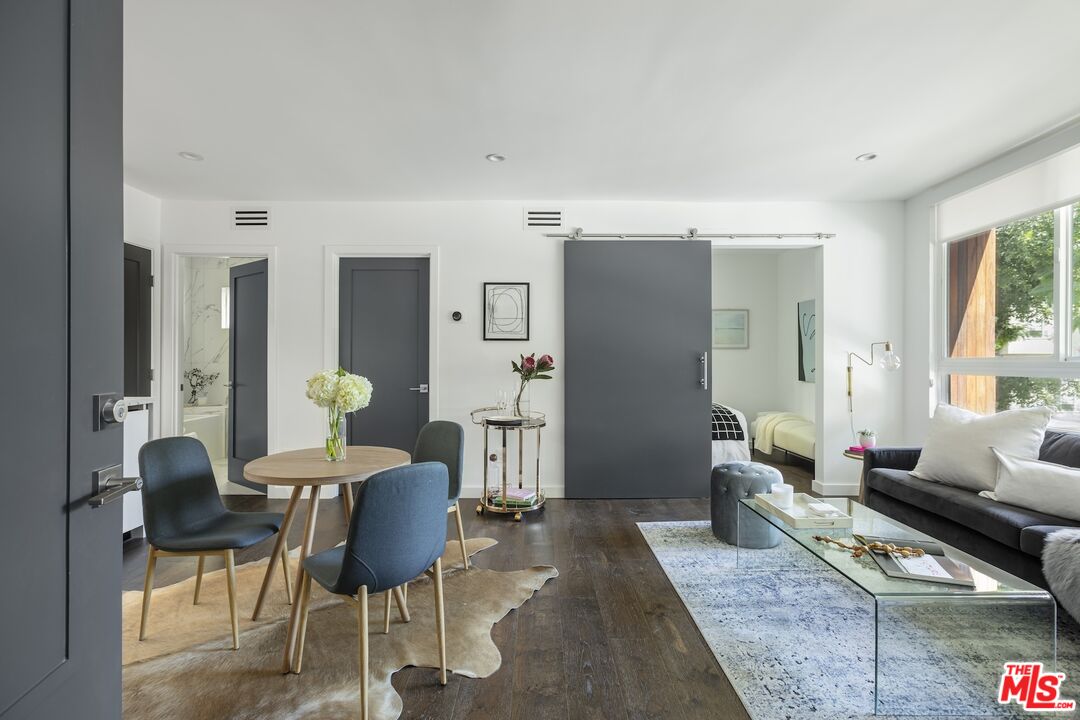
(310,466)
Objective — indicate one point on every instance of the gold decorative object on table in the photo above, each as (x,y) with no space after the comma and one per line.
(500,502)
(857,551)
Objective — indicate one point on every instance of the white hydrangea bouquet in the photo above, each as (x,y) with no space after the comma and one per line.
(339,392)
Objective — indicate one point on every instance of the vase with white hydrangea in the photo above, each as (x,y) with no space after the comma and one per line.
(339,392)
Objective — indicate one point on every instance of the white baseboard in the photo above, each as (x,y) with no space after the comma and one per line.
(836,489)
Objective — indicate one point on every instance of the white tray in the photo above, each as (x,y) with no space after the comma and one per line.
(799,518)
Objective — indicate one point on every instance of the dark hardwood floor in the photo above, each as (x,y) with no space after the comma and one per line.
(607,639)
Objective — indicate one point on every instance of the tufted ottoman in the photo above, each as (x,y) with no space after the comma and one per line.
(732,482)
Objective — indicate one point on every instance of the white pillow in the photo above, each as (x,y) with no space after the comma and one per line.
(957,450)
(1036,485)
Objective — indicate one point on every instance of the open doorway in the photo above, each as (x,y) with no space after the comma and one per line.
(222,333)
(766,323)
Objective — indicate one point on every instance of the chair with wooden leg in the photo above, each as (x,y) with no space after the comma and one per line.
(397,532)
(444,441)
(184,517)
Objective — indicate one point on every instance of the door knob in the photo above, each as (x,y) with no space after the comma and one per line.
(109,485)
(422,389)
(109,409)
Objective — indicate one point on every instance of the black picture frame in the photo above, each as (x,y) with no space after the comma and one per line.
(520,326)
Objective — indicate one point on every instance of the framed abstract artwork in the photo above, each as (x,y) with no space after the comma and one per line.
(506,311)
(731,329)
(807,316)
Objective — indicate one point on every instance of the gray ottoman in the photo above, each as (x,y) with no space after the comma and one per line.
(732,482)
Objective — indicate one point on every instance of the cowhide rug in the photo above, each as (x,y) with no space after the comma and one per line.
(186,668)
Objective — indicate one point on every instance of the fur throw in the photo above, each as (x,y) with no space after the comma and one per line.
(1061,566)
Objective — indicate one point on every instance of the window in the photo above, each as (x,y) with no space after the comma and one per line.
(1012,314)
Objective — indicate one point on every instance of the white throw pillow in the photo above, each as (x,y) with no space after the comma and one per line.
(957,450)
(1036,485)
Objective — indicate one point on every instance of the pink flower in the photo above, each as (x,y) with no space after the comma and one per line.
(529,363)
(546,362)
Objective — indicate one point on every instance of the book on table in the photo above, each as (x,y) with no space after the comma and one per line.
(934,566)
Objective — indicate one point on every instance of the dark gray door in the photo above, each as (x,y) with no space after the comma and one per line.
(637,412)
(383,335)
(247,367)
(137,321)
(61,287)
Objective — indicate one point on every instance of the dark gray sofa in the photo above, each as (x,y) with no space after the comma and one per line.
(1006,536)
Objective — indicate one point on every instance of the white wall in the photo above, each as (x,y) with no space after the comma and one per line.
(862,273)
(746,378)
(142,227)
(1029,172)
(798,273)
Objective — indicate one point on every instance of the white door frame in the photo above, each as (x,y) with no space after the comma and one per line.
(172,405)
(333,255)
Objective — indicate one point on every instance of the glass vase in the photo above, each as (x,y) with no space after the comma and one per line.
(335,435)
(521,401)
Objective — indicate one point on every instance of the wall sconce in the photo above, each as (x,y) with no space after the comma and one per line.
(890,361)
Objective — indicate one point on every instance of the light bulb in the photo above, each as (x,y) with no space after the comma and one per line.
(891,361)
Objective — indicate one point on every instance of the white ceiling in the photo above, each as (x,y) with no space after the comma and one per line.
(589,99)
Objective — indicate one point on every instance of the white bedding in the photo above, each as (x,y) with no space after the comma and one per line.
(733,450)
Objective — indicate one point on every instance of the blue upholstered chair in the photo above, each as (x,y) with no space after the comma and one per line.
(444,441)
(397,531)
(184,516)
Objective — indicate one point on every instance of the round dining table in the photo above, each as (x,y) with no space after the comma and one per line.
(309,469)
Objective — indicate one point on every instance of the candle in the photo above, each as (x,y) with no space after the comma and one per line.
(783,495)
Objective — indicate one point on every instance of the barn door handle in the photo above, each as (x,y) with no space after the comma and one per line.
(109,485)
(704,360)
(423,388)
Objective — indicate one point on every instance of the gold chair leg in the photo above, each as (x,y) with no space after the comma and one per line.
(198,578)
(461,535)
(388,595)
(285,569)
(305,606)
(362,620)
(403,607)
(230,570)
(440,621)
(148,589)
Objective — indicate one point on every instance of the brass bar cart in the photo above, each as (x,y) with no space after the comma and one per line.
(489,418)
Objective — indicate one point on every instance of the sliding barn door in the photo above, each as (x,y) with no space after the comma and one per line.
(637,328)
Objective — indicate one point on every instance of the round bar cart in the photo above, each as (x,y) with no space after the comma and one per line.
(491,418)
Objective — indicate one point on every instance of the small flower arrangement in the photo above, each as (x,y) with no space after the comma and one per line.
(531,369)
(339,392)
(867,438)
(198,382)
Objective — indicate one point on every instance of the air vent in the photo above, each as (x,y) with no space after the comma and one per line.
(543,218)
(251,218)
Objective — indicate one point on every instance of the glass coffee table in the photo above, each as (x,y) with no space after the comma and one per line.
(937,649)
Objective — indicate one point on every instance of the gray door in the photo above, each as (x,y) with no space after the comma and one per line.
(138,281)
(637,412)
(62,290)
(383,335)
(247,368)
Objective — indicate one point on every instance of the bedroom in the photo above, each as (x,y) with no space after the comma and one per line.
(766,323)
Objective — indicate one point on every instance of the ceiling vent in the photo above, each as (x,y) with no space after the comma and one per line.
(251,218)
(543,218)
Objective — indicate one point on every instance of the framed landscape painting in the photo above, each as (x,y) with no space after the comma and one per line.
(731,329)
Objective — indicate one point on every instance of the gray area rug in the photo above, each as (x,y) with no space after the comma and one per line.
(798,642)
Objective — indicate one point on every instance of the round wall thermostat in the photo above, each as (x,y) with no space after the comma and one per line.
(456,315)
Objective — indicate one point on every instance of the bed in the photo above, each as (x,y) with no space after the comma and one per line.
(792,433)
(730,435)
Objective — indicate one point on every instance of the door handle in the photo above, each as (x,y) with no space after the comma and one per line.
(704,360)
(109,485)
(422,389)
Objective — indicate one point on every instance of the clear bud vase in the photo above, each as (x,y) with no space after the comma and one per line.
(521,402)
(335,435)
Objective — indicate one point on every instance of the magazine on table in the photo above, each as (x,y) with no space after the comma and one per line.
(934,566)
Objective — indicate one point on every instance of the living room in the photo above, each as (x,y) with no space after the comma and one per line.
(467,281)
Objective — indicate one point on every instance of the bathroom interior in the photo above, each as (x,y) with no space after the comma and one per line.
(205,357)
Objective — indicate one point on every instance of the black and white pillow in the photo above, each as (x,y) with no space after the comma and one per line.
(725,424)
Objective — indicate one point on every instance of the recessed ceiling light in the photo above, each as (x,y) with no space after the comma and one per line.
(495,157)
(196,157)
(866,157)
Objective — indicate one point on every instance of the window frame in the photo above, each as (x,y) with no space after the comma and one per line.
(1063,363)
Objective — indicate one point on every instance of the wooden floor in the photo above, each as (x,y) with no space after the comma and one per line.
(607,639)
